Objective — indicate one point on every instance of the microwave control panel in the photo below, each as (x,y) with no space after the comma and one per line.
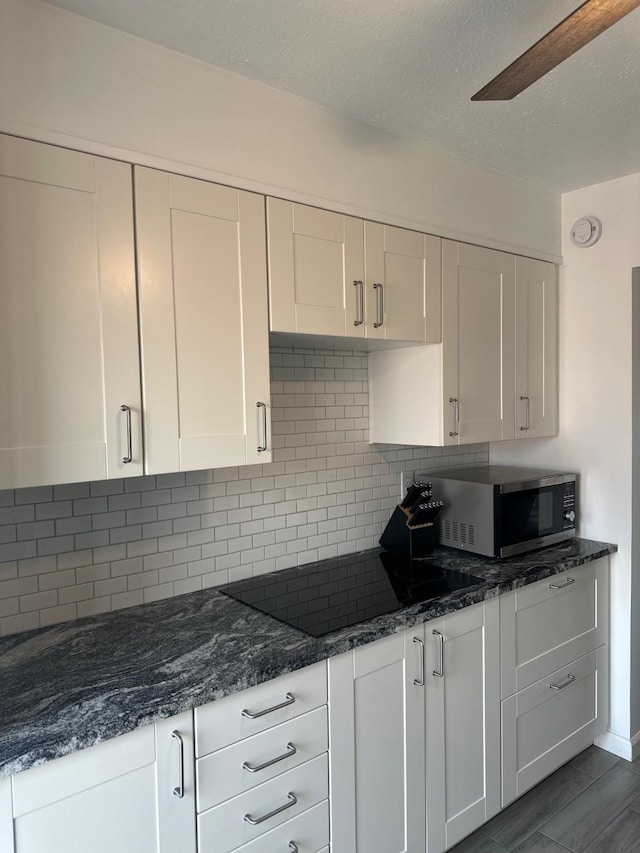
(568,506)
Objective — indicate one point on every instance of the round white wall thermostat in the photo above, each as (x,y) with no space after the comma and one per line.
(586,231)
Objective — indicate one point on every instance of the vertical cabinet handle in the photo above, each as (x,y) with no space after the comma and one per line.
(178,791)
(419,682)
(359,303)
(262,447)
(456,415)
(527,411)
(379,289)
(439,673)
(129,457)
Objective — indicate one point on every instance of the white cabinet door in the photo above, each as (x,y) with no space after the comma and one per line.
(6,817)
(478,343)
(115,796)
(316,271)
(68,328)
(403,284)
(463,723)
(536,348)
(203,322)
(175,784)
(376,737)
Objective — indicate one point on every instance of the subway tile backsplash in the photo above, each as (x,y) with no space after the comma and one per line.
(75,550)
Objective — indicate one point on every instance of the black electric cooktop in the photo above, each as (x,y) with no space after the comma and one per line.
(323,597)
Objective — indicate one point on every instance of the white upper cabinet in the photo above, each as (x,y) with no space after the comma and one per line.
(536,348)
(461,391)
(203,323)
(402,296)
(478,343)
(68,329)
(316,270)
(335,275)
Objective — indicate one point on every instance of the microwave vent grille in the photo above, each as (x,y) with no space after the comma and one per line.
(457,531)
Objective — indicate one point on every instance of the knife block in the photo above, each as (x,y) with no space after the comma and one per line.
(412,542)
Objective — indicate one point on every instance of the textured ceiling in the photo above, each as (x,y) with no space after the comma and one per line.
(411,66)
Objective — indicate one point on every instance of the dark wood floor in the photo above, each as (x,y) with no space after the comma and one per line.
(591,805)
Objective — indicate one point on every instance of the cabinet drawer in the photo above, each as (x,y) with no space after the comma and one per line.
(225,827)
(240,715)
(225,773)
(546,625)
(546,724)
(308,831)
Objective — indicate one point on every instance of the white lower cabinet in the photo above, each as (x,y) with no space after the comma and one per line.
(262,767)
(462,723)
(427,734)
(555,673)
(376,736)
(415,736)
(132,794)
(6,822)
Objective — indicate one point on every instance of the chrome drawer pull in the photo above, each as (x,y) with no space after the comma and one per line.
(419,682)
(256,820)
(293,847)
(569,679)
(253,768)
(568,582)
(439,673)
(179,790)
(289,699)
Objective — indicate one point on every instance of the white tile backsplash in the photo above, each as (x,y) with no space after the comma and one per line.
(86,548)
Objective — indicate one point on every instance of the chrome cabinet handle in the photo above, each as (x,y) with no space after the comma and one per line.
(568,582)
(569,679)
(178,791)
(253,768)
(254,821)
(289,699)
(359,303)
(439,673)
(456,415)
(379,305)
(527,410)
(129,457)
(293,847)
(262,447)
(419,682)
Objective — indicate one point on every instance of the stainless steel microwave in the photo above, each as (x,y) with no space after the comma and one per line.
(500,511)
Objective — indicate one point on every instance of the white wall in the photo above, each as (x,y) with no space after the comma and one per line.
(596,409)
(69,80)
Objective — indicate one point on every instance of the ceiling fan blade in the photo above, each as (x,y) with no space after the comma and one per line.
(577,29)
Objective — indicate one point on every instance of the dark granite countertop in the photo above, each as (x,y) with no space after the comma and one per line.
(76,684)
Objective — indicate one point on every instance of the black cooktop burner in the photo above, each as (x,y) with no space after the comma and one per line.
(323,597)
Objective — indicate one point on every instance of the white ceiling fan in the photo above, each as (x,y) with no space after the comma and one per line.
(577,29)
